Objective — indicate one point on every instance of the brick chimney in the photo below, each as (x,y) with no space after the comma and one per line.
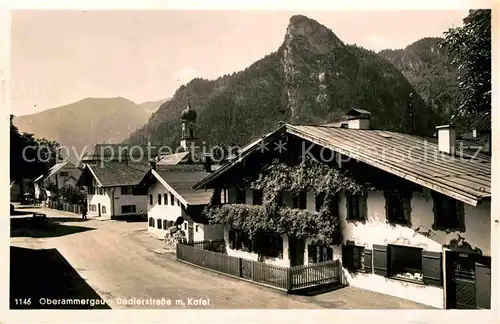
(446,139)
(358,119)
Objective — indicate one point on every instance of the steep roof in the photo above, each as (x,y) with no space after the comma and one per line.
(114,174)
(464,177)
(135,153)
(55,168)
(182,178)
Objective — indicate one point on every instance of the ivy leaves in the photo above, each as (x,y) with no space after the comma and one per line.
(309,175)
(278,178)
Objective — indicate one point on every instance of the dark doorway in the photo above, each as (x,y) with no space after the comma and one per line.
(296,249)
(99,209)
(468,283)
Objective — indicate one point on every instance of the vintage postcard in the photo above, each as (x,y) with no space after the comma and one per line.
(211,159)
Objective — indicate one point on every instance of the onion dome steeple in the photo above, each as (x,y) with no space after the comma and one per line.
(189,114)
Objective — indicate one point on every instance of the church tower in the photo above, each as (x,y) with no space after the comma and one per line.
(188,118)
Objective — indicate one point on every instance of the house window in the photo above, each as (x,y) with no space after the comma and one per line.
(257,197)
(64,174)
(127,209)
(398,207)
(405,262)
(151,222)
(356,207)
(172,199)
(126,190)
(165,224)
(178,202)
(449,213)
(299,200)
(158,223)
(104,209)
(319,253)
(185,226)
(240,196)
(239,240)
(353,257)
(159,199)
(139,191)
(318,201)
(268,244)
(165,199)
(151,199)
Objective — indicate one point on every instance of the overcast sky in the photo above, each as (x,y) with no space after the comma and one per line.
(59,57)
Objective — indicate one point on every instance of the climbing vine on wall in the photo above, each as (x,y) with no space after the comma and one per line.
(272,216)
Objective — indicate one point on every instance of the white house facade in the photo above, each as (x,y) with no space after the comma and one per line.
(113,189)
(60,175)
(173,202)
(425,237)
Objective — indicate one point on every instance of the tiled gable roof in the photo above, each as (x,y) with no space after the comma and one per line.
(463,177)
(113,174)
(182,178)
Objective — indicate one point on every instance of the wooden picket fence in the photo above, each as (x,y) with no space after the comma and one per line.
(282,278)
(76,209)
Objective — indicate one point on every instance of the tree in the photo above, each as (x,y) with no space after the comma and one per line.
(30,157)
(71,194)
(470,47)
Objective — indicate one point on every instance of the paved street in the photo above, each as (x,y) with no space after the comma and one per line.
(117,260)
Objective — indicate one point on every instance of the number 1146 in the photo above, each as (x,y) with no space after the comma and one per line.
(22,301)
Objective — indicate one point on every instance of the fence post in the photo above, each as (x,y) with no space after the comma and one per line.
(177,247)
(289,279)
(240,267)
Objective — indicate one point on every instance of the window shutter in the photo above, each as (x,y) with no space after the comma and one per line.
(329,254)
(302,200)
(431,268)
(368,260)
(380,259)
(318,200)
(363,206)
(311,253)
(483,286)
(347,256)
(231,239)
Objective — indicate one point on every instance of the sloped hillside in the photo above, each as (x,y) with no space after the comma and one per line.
(86,122)
(429,70)
(313,77)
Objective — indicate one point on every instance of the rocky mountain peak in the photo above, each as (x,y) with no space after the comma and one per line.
(306,30)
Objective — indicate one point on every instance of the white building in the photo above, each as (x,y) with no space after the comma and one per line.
(113,189)
(60,175)
(425,237)
(172,201)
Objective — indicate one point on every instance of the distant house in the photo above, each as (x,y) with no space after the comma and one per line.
(60,175)
(422,233)
(113,189)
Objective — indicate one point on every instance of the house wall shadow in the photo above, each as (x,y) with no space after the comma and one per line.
(30,227)
(43,276)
